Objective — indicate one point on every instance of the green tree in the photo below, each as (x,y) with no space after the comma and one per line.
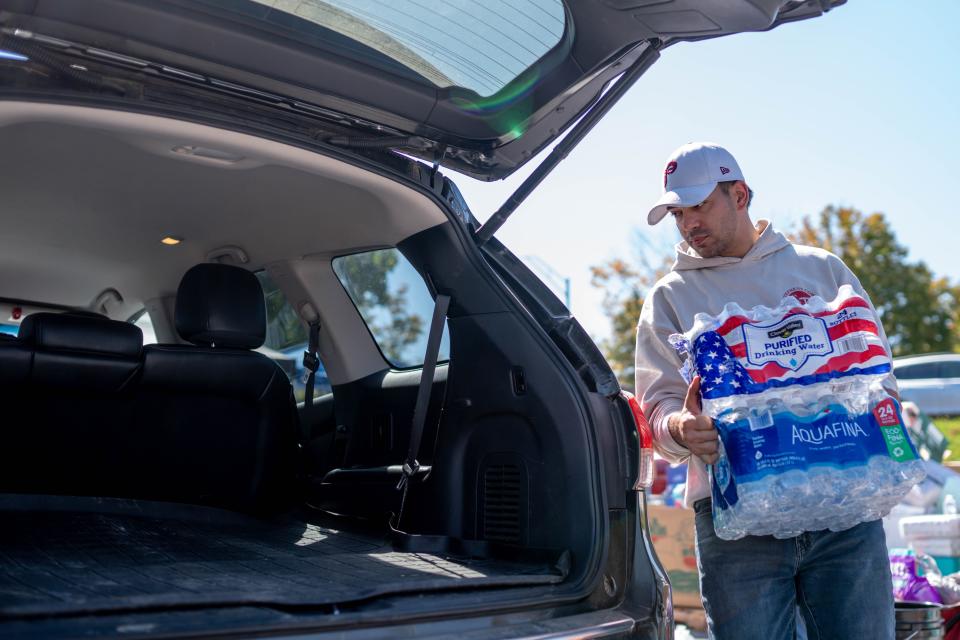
(918,310)
(386,311)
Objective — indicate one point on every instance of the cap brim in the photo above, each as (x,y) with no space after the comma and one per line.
(679,197)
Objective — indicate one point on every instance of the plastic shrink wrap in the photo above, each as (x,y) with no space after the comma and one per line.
(810,438)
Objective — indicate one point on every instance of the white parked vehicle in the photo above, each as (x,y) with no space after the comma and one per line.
(932,381)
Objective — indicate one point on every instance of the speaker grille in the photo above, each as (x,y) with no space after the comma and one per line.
(503,503)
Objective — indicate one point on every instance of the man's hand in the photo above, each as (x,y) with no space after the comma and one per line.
(694,430)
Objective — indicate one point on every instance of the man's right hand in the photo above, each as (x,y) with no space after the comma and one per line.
(694,430)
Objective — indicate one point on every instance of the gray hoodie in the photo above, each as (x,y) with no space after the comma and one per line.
(772,269)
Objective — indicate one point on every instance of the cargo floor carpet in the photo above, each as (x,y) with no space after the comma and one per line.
(63,562)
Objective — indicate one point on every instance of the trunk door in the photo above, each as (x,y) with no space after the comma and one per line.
(475,86)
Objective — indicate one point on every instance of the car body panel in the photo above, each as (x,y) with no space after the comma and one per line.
(488,137)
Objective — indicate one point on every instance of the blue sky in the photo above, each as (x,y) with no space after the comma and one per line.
(858,108)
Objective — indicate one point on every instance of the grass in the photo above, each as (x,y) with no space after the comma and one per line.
(950,427)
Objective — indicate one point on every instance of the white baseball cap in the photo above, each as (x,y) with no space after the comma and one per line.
(691,174)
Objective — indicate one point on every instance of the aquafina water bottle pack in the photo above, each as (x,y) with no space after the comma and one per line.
(809,437)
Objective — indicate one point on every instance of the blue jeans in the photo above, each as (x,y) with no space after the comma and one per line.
(753,587)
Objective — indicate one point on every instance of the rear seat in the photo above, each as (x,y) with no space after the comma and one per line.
(224,415)
(68,389)
(92,412)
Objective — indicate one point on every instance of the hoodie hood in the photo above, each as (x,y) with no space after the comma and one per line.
(770,241)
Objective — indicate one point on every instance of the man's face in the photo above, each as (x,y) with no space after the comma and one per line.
(711,227)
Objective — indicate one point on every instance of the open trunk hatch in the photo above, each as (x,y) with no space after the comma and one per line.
(473,86)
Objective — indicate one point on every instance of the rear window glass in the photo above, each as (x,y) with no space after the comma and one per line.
(917,371)
(475,44)
(13,313)
(394,302)
(145,322)
(950,369)
(287,339)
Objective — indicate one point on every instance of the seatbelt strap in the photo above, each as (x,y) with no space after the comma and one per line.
(411,465)
(311,362)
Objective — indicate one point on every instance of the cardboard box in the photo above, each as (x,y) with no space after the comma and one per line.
(693,618)
(672,531)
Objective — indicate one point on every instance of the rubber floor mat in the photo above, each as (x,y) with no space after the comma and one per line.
(70,563)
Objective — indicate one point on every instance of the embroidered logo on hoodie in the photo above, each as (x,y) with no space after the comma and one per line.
(802,295)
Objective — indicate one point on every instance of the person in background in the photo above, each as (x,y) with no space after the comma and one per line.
(929,440)
(911,419)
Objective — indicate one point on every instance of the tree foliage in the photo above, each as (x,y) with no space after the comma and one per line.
(384,308)
(624,286)
(284,327)
(919,311)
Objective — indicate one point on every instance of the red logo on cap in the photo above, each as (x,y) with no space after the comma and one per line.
(724,170)
(671,167)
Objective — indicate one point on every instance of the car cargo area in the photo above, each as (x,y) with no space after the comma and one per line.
(82,556)
(169,476)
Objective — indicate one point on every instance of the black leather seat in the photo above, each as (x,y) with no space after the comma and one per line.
(223,416)
(68,385)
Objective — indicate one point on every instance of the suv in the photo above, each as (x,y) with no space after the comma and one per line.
(186,182)
(931,381)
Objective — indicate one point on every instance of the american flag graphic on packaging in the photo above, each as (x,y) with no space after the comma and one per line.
(787,346)
(807,430)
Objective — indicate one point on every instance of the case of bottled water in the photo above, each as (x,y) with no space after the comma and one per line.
(810,438)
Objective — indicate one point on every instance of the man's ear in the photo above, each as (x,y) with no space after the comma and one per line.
(741,194)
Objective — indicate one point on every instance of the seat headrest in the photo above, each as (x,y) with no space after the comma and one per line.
(81,332)
(221,305)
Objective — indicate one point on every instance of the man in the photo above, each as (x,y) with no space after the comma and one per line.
(752,587)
